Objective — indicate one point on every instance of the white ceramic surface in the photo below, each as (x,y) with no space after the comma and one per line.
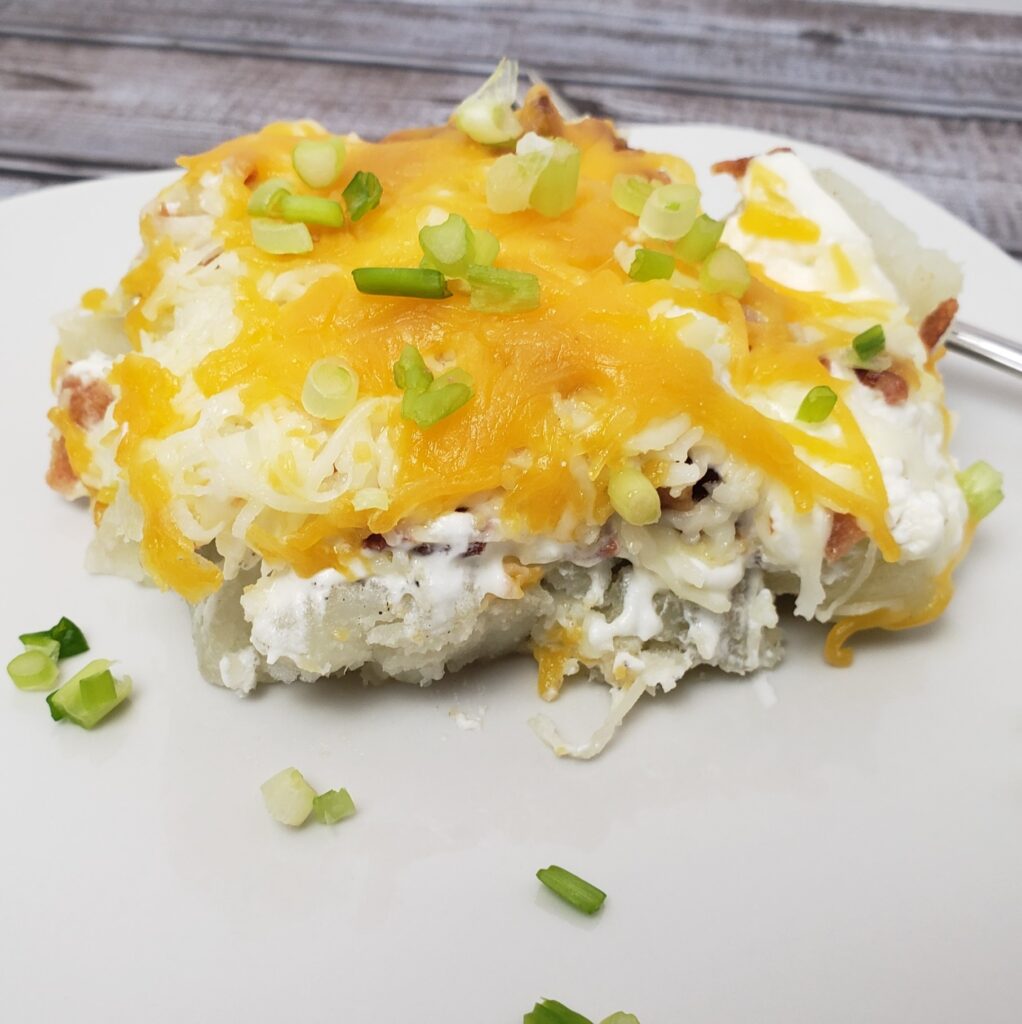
(851,854)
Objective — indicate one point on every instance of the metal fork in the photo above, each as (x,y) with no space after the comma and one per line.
(963,338)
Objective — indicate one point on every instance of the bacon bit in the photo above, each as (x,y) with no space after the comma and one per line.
(845,533)
(539,113)
(893,387)
(825,362)
(375,542)
(86,402)
(476,547)
(608,549)
(60,476)
(682,503)
(736,168)
(936,323)
(430,549)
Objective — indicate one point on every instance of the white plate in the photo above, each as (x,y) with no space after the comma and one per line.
(850,854)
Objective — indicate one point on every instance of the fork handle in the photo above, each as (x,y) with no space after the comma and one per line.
(985,345)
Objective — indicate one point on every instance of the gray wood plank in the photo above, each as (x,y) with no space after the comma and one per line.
(944,63)
(92,108)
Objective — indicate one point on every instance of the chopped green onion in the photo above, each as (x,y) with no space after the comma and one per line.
(318,162)
(633,497)
(449,247)
(630,192)
(700,239)
(502,291)
(89,696)
(69,637)
(98,691)
(330,389)
(288,797)
(487,116)
(817,405)
(438,401)
(415,282)
(280,239)
(410,371)
(725,271)
(427,401)
(670,211)
(557,185)
(333,806)
(620,1018)
(267,196)
(487,247)
(311,210)
(42,642)
(650,265)
(550,1011)
(869,343)
(511,179)
(362,194)
(572,889)
(983,487)
(33,670)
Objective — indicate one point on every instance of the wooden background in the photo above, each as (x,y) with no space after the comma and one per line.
(100,86)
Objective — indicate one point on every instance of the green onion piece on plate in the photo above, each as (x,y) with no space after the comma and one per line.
(630,192)
(550,1011)
(670,211)
(70,639)
(650,265)
(487,247)
(318,162)
(817,405)
(494,290)
(362,194)
(413,282)
(983,487)
(870,343)
(511,179)
(620,1018)
(311,210)
(288,797)
(700,240)
(633,497)
(447,394)
(330,389)
(572,889)
(42,642)
(333,806)
(448,247)
(267,196)
(557,185)
(487,115)
(411,372)
(33,670)
(280,239)
(90,695)
(725,271)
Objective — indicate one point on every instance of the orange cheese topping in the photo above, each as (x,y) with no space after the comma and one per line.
(591,340)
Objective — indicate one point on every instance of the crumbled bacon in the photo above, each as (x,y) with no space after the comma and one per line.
(737,168)
(845,533)
(86,401)
(539,113)
(430,549)
(476,547)
(375,542)
(932,329)
(608,549)
(893,387)
(60,476)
